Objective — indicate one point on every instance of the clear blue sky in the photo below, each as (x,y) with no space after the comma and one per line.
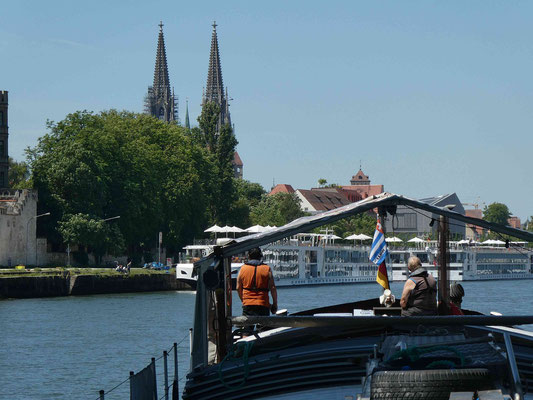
(433,97)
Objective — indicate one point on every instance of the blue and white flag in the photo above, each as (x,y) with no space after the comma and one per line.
(379,250)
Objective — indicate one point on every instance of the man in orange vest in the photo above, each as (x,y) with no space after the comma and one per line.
(254,282)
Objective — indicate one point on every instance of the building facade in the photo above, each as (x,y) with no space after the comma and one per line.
(419,223)
(160,100)
(4,136)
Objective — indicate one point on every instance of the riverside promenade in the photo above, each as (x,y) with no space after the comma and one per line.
(84,281)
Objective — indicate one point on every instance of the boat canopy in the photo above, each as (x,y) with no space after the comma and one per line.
(220,259)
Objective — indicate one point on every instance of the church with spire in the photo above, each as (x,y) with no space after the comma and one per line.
(160,101)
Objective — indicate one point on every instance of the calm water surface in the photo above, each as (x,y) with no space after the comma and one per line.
(71,347)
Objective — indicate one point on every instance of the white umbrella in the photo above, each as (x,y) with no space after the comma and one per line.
(256,229)
(332,237)
(214,229)
(236,229)
(464,241)
(352,237)
(393,239)
(416,240)
(492,242)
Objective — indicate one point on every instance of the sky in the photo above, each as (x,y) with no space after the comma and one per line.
(430,97)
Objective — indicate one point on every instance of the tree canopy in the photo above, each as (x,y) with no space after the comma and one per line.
(497,213)
(278,209)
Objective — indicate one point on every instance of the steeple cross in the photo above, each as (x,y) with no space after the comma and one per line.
(161,25)
(215,25)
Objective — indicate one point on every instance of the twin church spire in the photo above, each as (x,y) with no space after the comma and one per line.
(161,101)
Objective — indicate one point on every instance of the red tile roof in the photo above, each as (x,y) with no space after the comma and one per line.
(281,188)
(323,199)
(237,159)
(363,191)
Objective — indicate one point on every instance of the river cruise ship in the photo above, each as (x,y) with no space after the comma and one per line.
(313,259)
(466,263)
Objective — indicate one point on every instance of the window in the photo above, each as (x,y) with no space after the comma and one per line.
(1,118)
(2,148)
(2,177)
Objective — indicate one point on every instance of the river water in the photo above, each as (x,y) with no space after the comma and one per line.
(71,347)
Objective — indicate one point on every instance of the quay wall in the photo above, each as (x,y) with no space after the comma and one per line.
(21,287)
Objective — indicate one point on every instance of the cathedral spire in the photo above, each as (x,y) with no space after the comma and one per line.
(160,101)
(214,91)
(187,123)
(161,82)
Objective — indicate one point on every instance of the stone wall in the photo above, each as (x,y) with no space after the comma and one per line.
(18,209)
(66,284)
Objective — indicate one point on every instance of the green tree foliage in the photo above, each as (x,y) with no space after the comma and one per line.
(497,213)
(322,182)
(220,144)
(96,235)
(19,175)
(278,209)
(150,173)
(249,194)
(361,223)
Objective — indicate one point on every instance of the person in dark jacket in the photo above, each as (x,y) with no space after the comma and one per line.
(456,299)
(419,296)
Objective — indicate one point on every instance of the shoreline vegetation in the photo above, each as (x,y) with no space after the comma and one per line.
(51,282)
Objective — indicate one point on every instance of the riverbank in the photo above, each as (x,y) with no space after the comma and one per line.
(78,281)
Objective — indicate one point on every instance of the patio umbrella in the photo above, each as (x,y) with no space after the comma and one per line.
(214,229)
(416,240)
(393,239)
(256,229)
(492,242)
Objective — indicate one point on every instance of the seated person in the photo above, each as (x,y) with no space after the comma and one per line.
(419,296)
(456,298)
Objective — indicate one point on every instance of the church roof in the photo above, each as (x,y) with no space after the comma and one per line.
(360,176)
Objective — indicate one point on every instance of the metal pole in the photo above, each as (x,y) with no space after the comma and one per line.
(175,361)
(102,395)
(155,377)
(131,384)
(165,366)
(27,237)
(444,289)
(190,341)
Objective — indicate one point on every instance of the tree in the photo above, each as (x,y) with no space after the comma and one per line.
(150,173)
(19,175)
(249,194)
(220,143)
(278,209)
(361,223)
(497,213)
(322,182)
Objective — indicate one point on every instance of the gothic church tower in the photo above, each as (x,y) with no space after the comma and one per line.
(4,154)
(214,91)
(160,101)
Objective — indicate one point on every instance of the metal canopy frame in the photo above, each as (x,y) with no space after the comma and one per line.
(384,202)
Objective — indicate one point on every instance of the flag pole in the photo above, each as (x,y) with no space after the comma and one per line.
(381,218)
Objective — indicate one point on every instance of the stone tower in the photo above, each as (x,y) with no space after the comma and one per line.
(160,100)
(214,91)
(4,154)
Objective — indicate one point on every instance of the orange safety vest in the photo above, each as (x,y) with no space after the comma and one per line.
(254,281)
